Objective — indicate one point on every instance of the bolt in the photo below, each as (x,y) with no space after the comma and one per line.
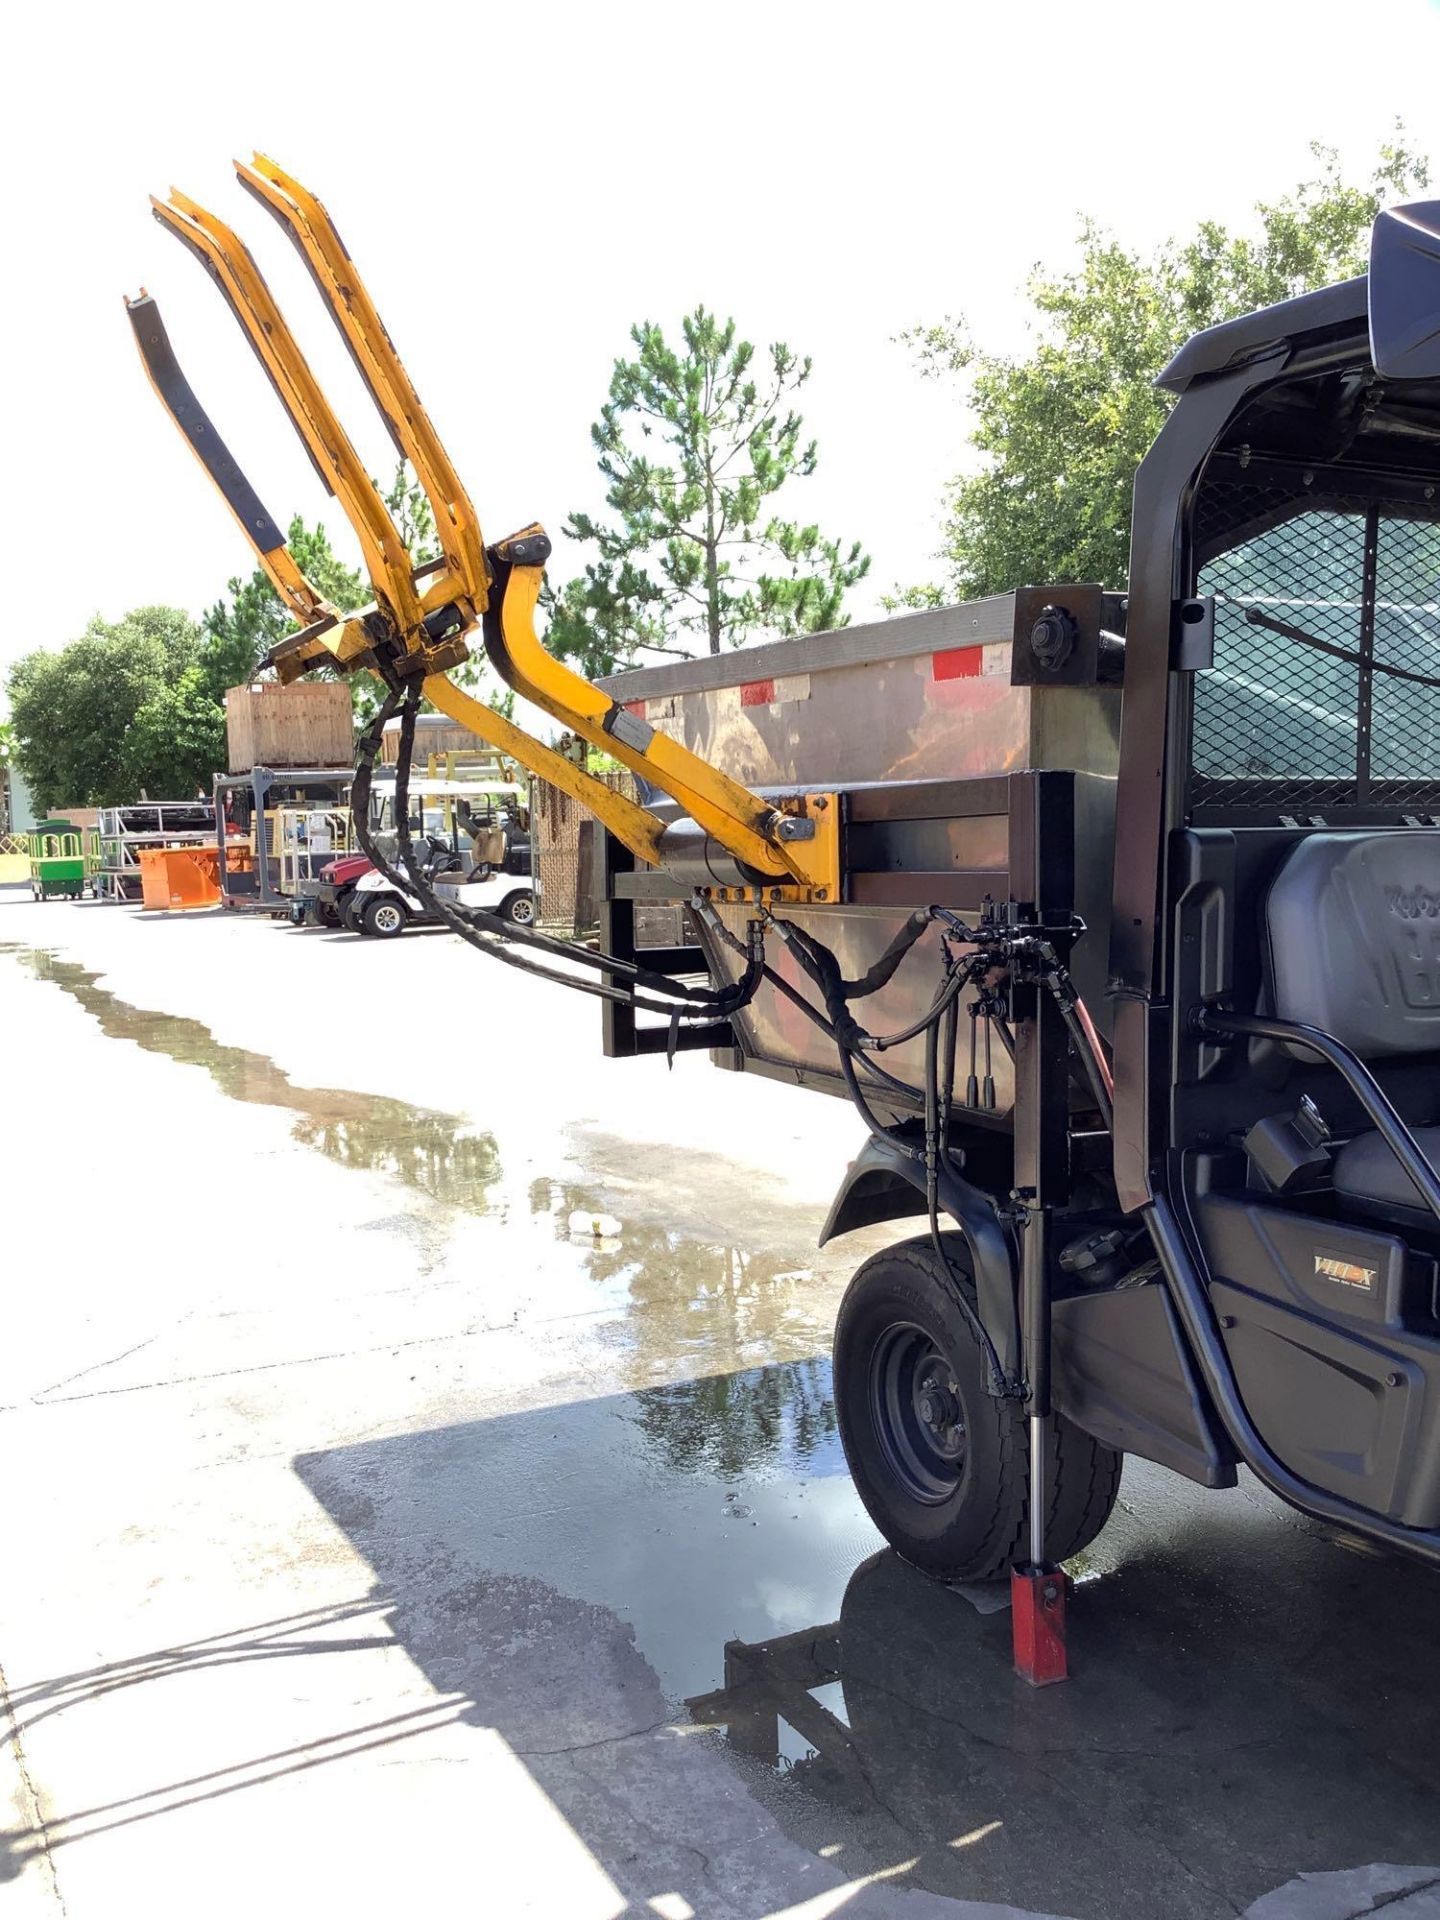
(1227,1320)
(822,893)
(822,802)
(1394,1380)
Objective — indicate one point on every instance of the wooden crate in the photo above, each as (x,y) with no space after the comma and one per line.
(434,733)
(308,724)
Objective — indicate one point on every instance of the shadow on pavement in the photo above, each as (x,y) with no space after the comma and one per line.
(670,1606)
(1251,1698)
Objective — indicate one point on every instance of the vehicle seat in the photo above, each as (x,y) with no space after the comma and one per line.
(1352,929)
(489,846)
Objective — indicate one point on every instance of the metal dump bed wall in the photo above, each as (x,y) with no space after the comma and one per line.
(923,696)
(956,786)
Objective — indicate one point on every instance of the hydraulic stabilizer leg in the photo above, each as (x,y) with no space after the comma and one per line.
(1037,1586)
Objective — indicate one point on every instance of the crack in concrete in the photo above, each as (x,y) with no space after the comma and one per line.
(660,1839)
(1394,1899)
(590,1746)
(98,1366)
(272,1366)
(30,1799)
(1146,1837)
(1036,1756)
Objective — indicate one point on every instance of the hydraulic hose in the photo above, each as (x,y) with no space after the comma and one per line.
(678,1000)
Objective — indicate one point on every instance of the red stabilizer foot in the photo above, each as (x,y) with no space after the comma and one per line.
(1037,1616)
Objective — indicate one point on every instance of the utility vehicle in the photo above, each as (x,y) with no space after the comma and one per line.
(1116,915)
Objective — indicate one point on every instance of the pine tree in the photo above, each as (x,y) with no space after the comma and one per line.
(693,445)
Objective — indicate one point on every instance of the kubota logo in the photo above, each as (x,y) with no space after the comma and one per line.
(1413,903)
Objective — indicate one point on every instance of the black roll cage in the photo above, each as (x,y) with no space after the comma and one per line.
(1301,375)
(1307,380)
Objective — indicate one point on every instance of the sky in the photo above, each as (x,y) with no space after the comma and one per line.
(518,186)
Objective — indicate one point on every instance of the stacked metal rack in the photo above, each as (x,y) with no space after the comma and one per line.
(125,831)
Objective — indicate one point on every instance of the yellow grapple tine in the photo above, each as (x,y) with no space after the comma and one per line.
(329,632)
(344,293)
(731,813)
(638,828)
(228,260)
(794,844)
(520,658)
(177,396)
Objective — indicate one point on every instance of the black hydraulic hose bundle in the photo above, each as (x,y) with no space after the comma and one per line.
(488,933)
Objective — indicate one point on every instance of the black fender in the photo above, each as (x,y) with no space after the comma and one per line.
(884,1182)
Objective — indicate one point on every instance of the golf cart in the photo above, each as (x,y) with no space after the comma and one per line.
(473,842)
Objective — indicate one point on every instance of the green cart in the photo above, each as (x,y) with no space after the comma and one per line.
(62,860)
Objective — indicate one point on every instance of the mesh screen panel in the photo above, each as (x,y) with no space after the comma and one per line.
(1405,718)
(1280,724)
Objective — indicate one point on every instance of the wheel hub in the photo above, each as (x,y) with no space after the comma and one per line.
(918,1413)
(938,1404)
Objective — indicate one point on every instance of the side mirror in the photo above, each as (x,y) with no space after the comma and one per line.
(1405,292)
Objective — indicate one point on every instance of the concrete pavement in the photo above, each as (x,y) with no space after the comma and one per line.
(370,1542)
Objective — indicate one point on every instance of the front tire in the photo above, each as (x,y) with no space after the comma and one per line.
(384,916)
(941,1465)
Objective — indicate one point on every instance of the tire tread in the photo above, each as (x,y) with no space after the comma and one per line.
(1084,1474)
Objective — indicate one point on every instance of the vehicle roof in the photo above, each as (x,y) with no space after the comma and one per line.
(1328,313)
(429,789)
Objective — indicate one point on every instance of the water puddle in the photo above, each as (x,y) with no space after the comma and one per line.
(725,1307)
(433,1153)
(658,1303)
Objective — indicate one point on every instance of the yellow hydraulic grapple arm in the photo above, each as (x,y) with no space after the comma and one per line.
(422,616)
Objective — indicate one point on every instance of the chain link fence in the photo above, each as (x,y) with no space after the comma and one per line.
(568,865)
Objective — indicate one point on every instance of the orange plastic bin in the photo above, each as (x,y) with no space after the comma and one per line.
(174,878)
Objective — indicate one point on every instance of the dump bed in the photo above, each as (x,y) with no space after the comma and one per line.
(965,773)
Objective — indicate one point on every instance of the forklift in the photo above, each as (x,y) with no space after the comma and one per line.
(1122,935)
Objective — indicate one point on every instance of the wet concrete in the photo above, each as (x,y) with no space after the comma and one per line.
(435,1153)
(388,1543)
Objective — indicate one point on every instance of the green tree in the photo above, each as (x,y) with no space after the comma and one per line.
(176,741)
(76,715)
(410,511)
(693,445)
(1062,427)
(240,631)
